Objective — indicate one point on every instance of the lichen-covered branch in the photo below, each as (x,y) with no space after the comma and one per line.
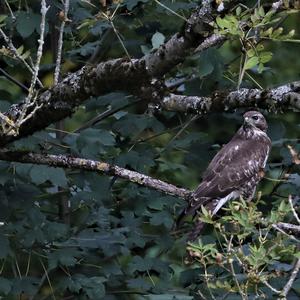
(281,98)
(291,280)
(118,74)
(141,77)
(94,166)
(30,99)
(289,227)
(60,41)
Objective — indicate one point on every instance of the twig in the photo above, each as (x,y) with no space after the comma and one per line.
(171,11)
(48,279)
(294,154)
(182,129)
(230,261)
(19,84)
(39,54)
(271,287)
(290,282)
(60,42)
(17,55)
(10,11)
(289,226)
(28,264)
(42,280)
(279,227)
(107,113)
(293,209)
(30,115)
(7,120)
(110,19)
(29,101)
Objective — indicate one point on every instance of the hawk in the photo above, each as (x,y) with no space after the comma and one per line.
(235,170)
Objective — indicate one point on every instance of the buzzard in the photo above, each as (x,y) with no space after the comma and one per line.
(235,170)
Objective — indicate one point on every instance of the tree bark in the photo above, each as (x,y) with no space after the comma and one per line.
(284,97)
(134,76)
(70,162)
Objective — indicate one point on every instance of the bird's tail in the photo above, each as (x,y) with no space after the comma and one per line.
(199,225)
(197,230)
(180,218)
(191,210)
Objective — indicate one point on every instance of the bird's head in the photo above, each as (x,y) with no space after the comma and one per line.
(255,119)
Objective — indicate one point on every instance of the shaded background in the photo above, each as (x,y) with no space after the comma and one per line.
(118,237)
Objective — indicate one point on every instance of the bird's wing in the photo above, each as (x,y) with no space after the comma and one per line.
(235,164)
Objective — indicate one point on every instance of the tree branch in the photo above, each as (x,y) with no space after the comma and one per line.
(281,98)
(290,227)
(60,42)
(138,77)
(117,74)
(69,162)
(291,280)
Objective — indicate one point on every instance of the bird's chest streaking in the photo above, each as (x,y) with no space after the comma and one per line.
(260,144)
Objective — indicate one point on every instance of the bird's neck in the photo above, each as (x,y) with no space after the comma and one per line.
(248,131)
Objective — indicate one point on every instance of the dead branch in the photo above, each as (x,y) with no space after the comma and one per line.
(70,162)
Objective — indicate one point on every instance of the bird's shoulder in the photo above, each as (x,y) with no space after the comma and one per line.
(238,153)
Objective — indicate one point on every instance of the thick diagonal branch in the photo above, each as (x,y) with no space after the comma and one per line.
(60,101)
(94,166)
(138,77)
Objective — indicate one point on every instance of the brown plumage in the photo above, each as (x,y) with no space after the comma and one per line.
(235,170)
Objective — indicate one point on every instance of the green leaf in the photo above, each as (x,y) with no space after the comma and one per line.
(133,3)
(92,287)
(238,10)
(157,40)
(169,297)
(139,283)
(137,160)
(265,56)
(277,32)
(206,64)
(4,246)
(261,11)
(260,68)
(251,62)
(2,18)
(145,49)
(92,136)
(63,257)
(27,22)
(294,179)
(251,52)
(26,285)
(5,286)
(40,174)
(229,22)
(162,218)
(222,23)
(140,264)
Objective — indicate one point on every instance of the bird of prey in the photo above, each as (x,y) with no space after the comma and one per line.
(235,170)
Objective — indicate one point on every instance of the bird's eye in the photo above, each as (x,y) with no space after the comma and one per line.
(255,118)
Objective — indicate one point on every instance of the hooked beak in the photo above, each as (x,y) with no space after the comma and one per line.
(249,121)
